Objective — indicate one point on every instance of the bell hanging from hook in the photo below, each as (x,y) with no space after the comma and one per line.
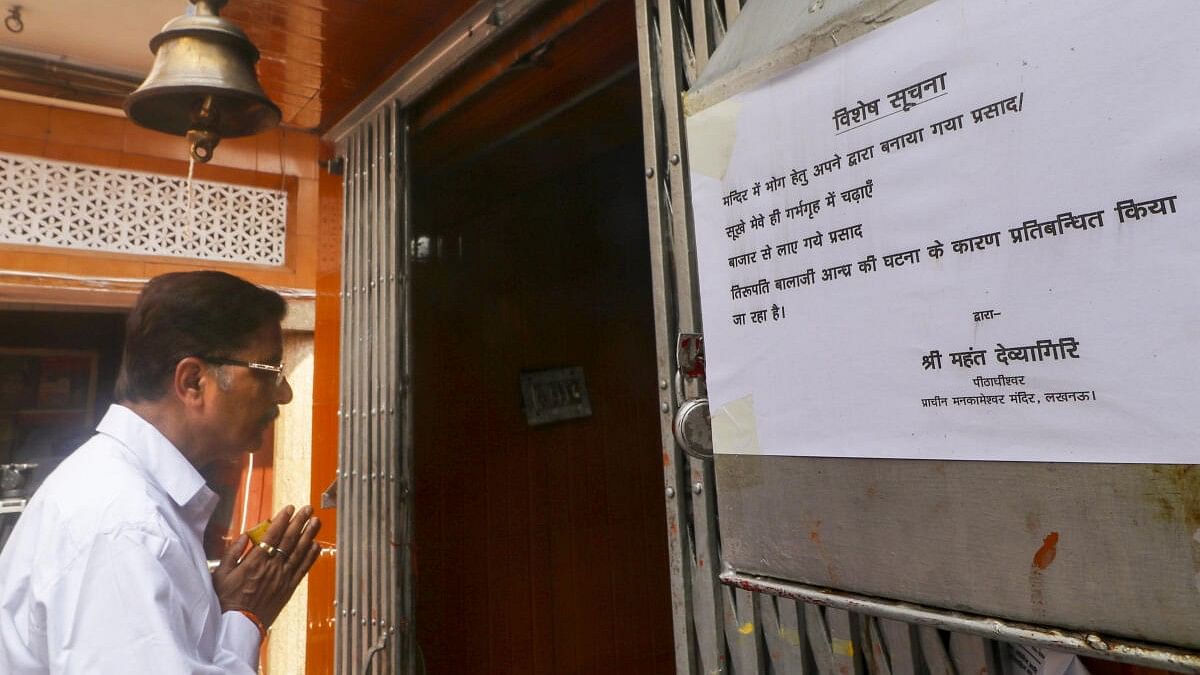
(202,85)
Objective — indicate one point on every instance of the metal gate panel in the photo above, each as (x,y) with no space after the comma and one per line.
(374,596)
(827,630)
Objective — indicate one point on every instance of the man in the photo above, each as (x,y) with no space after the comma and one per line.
(105,571)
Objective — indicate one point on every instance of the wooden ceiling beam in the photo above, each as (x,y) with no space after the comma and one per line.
(523,48)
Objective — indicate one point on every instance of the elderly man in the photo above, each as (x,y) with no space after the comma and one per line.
(105,572)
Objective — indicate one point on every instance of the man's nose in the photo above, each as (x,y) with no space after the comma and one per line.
(283,393)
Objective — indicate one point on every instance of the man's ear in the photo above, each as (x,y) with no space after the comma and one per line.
(191,377)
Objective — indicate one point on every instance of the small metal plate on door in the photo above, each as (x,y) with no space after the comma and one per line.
(554,395)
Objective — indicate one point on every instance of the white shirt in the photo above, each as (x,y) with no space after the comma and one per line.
(105,570)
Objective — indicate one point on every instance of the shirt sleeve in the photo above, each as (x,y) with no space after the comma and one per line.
(135,603)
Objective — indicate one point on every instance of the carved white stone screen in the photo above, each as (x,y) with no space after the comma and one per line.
(48,203)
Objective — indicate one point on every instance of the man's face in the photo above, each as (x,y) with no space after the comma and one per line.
(249,401)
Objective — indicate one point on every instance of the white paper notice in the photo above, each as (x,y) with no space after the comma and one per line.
(970,234)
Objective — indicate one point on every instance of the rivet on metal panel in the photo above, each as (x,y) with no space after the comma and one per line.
(353,612)
(649,172)
(343,612)
(674,158)
(697,488)
(662,384)
(670,492)
(665,407)
(364,622)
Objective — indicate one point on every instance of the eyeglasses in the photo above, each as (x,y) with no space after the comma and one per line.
(260,367)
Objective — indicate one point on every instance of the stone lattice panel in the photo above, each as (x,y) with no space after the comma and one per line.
(57,204)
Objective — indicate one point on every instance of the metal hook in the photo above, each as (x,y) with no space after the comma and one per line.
(13,21)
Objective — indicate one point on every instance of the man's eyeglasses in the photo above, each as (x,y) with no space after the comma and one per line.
(259,367)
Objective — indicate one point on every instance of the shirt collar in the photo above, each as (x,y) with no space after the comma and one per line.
(162,461)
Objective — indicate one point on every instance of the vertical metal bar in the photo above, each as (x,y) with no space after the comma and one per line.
(971,654)
(874,650)
(372,377)
(400,252)
(842,641)
(732,8)
(387,276)
(937,661)
(347,510)
(718,22)
(899,638)
(360,369)
(381,377)
(708,610)
(700,44)
(343,428)
(665,329)
(818,639)
(781,633)
(683,255)
(743,630)
(387,376)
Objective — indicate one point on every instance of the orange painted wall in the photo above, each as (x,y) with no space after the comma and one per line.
(277,159)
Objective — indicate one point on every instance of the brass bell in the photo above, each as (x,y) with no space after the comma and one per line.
(202,84)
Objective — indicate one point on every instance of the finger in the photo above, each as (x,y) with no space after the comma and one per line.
(279,524)
(314,552)
(292,534)
(307,535)
(233,552)
(310,533)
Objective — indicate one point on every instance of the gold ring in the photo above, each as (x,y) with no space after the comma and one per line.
(270,550)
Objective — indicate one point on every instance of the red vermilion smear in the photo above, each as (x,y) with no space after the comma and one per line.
(1045,554)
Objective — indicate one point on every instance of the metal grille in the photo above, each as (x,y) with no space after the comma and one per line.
(374,591)
(56,204)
